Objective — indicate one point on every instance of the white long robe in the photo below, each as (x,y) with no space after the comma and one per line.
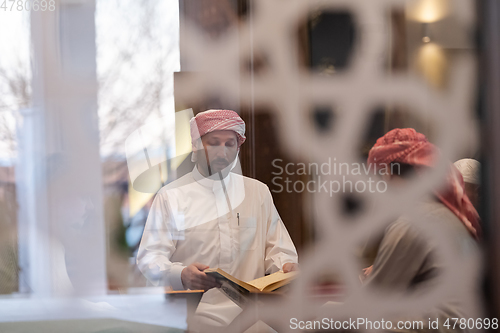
(232,225)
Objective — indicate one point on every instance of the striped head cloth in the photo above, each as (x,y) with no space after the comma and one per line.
(216,120)
(405,145)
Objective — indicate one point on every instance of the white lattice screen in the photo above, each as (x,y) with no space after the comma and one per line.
(271,30)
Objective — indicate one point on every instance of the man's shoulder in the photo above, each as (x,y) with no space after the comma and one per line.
(257,189)
(253,182)
(402,228)
(435,214)
(184,180)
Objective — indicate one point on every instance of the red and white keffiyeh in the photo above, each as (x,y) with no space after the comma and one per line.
(410,147)
(217,120)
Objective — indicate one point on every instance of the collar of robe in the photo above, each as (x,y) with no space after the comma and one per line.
(213,181)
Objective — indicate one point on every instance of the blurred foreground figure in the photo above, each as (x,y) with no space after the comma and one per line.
(470,170)
(214,217)
(408,262)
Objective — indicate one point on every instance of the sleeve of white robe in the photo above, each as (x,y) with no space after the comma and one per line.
(279,246)
(157,246)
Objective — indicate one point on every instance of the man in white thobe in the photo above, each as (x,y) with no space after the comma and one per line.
(214,217)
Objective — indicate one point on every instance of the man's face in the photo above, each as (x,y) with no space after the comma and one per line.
(220,150)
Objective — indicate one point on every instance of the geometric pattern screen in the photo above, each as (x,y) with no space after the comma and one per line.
(353,94)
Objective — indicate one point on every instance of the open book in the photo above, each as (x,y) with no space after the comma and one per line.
(235,288)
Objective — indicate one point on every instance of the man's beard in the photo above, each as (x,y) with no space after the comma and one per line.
(219,165)
(217,168)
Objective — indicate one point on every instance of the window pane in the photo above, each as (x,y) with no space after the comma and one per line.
(137,55)
(15,97)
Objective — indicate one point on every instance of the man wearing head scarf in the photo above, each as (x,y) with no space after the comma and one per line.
(214,217)
(407,262)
